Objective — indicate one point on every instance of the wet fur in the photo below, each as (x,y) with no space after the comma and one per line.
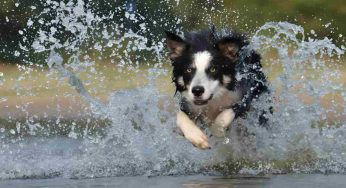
(234,66)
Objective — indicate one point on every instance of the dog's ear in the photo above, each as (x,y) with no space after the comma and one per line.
(175,44)
(229,47)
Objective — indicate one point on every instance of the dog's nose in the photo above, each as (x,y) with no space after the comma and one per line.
(198,91)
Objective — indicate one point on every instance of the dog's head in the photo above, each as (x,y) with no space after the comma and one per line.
(204,64)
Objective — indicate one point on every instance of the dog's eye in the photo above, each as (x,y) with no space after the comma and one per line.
(212,69)
(189,70)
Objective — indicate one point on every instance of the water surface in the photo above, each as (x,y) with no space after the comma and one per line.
(282,181)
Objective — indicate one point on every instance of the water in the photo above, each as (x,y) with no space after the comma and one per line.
(308,181)
(85,129)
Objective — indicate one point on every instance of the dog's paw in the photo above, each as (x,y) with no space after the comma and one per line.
(197,138)
(191,131)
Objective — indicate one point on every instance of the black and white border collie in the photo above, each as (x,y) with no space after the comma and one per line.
(218,76)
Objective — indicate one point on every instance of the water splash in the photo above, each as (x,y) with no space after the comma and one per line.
(134,135)
(302,122)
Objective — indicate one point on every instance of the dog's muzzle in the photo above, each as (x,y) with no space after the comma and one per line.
(199,101)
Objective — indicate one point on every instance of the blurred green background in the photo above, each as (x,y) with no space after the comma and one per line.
(325,17)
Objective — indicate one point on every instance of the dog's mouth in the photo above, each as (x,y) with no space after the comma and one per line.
(199,101)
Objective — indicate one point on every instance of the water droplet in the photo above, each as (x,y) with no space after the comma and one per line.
(327,25)
(12,131)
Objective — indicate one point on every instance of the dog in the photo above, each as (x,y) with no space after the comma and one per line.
(217,75)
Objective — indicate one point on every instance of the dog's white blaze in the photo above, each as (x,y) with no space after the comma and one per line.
(202,61)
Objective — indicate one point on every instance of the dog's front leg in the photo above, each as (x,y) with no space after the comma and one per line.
(222,121)
(191,131)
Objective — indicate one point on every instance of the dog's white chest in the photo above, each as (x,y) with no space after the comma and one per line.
(215,106)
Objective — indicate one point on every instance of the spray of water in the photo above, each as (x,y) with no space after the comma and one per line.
(135,135)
